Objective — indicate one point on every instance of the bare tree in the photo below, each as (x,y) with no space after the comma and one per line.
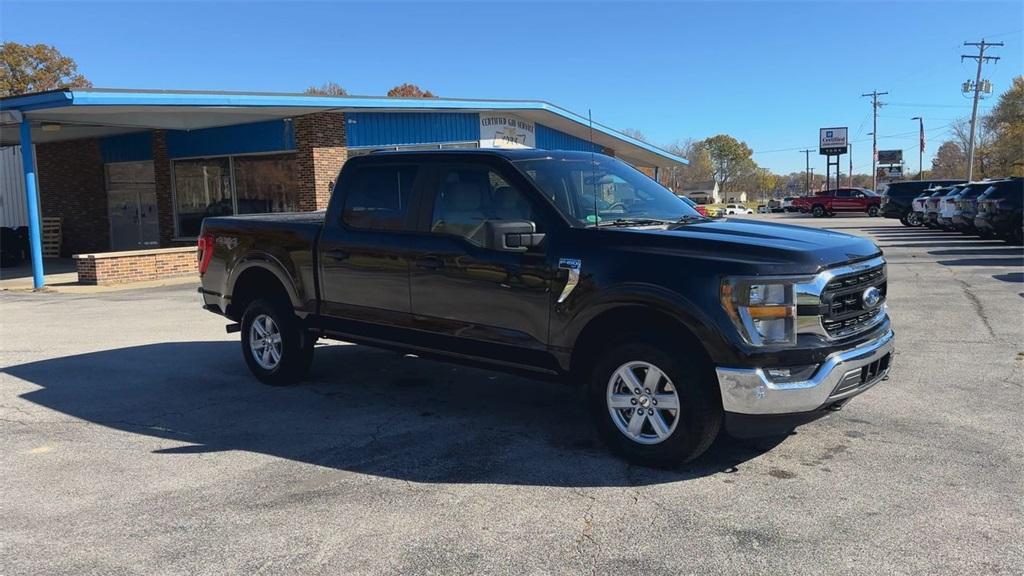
(326,89)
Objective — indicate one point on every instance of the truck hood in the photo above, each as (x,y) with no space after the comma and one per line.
(767,246)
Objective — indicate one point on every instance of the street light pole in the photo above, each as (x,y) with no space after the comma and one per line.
(920,149)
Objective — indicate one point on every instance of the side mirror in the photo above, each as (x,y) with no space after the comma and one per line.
(512,235)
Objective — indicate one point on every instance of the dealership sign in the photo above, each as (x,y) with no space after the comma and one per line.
(890,156)
(890,172)
(832,141)
(506,131)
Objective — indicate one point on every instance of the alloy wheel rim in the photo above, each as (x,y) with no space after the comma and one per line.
(265,342)
(643,402)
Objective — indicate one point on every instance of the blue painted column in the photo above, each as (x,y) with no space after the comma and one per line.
(35,239)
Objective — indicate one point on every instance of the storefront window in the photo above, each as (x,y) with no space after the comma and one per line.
(203,187)
(266,183)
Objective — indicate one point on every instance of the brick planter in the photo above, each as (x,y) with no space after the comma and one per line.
(108,268)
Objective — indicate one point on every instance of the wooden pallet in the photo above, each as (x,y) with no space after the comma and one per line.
(51,234)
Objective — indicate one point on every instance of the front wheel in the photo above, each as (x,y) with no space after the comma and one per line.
(653,407)
(873,211)
(277,349)
(818,211)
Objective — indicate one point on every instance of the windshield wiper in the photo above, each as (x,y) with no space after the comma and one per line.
(689,218)
(635,222)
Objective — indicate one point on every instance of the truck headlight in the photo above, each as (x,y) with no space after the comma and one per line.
(764,311)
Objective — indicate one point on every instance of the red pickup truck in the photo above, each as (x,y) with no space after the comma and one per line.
(841,200)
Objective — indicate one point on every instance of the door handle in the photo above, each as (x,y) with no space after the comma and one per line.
(430,263)
(336,254)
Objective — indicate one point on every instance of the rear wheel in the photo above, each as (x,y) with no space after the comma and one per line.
(654,407)
(277,349)
(818,211)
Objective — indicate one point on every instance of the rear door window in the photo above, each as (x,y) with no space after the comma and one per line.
(378,197)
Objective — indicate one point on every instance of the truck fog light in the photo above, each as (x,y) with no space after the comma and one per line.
(790,374)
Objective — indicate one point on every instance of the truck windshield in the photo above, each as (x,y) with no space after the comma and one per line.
(605,191)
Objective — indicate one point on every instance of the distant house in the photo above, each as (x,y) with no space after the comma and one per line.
(704,192)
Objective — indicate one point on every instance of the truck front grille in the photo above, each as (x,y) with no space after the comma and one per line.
(844,311)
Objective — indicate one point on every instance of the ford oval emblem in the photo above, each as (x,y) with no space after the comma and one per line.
(871,297)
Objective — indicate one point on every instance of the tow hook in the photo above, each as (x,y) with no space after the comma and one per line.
(232,328)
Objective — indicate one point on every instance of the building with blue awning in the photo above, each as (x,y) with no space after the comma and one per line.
(134,169)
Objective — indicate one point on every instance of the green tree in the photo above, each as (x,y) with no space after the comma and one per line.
(410,91)
(731,160)
(1006,124)
(34,68)
(326,89)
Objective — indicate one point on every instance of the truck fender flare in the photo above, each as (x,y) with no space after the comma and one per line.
(667,302)
(269,263)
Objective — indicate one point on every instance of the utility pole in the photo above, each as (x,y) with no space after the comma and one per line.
(920,149)
(850,152)
(807,172)
(875,104)
(981,58)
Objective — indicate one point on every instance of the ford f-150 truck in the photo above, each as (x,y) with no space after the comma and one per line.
(564,265)
(841,200)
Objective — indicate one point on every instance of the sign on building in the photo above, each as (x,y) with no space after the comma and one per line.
(832,141)
(499,130)
(890,156)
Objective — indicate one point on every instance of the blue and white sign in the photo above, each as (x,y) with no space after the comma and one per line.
(832,141)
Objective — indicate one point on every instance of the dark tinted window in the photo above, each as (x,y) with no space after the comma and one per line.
(467,197)
(378,197)
(844,193)
(1012,190)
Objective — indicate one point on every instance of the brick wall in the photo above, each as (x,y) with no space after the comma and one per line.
(162,184)
(321,150)
(138,266)
(72,187)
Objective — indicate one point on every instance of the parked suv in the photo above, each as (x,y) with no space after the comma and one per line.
(896,200)
(932,206)
(999,210)
(731,209)
(967,207)
(569,266)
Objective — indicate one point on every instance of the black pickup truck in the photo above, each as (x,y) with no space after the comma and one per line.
(570,266)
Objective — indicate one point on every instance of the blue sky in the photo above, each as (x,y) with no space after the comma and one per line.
(768,73)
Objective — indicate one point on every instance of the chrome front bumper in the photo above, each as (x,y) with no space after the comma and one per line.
(842,375)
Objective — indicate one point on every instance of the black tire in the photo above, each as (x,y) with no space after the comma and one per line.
(818,211)
(697,421)
(872,211)
(296,343)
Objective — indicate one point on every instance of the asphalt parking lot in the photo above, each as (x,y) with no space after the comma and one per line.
(135,441)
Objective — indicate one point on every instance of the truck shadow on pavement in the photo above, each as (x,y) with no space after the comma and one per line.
(362,410)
